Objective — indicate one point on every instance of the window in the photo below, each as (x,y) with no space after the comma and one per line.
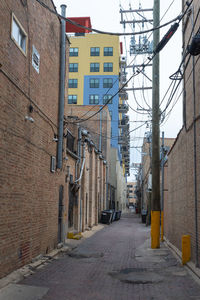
(110,114)
(108,51)
(72,99)
(94,83)
(19,35)
(94,67)
(94,51)
(70,141)
(108,67)
(73,51)
(107,83)
(106,98)
(73,67)
(94,99)
(73,83)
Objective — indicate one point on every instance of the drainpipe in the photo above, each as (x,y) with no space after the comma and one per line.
(79,153)
(81,191)
(107,207)
(62,89)
(100,128)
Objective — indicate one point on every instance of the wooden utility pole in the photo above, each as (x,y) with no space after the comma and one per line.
(155,200)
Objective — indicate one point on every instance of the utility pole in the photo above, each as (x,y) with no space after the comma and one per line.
(155,201)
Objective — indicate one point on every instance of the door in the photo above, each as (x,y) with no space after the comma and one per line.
(60,213)
(71,209)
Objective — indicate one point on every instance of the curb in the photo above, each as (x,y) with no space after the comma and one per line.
(41,260)
(30,268)
(190,266)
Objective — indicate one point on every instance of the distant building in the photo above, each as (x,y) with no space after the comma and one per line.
(131,196)
(96,73)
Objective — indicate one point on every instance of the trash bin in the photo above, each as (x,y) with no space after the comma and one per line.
(117,215)
(106,216)
(144,215)
(114,216)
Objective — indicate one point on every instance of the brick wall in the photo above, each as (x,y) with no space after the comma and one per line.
(179,202)
(29,192)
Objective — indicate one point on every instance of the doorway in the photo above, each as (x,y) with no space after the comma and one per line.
(60,213)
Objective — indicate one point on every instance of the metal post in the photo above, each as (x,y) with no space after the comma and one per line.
(155,214)
(62,89)
(195,158)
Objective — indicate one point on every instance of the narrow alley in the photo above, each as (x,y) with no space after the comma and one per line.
(115,263)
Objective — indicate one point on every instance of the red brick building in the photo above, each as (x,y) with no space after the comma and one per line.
(38,202)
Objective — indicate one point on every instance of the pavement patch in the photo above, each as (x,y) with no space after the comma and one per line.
(22,292)
(80,255)
(137,276)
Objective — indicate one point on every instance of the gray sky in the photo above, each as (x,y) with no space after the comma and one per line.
(105,16)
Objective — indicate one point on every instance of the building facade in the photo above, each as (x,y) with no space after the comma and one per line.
(182,199)
(96,75)
(94,72)
(39,202)
(131,186)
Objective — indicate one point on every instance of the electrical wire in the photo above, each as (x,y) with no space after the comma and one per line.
(130,63)
(180,17)
(50,122)
(183,88)
(176,74)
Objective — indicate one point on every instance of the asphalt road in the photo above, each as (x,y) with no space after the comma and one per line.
(116,263)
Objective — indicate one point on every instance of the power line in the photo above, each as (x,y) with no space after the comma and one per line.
(111,33)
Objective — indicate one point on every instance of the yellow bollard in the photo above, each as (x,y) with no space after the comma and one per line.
(162,226)
(186,249)
(155,229)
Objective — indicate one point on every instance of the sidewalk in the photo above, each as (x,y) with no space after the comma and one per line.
(115,263)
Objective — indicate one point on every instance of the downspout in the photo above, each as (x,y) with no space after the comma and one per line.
(162,187)
(82,167)
(79,153)
(107,207)
(61,89)
(100,128)
(81,191)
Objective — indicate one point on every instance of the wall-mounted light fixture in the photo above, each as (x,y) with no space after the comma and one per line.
(28,118)
(55,138)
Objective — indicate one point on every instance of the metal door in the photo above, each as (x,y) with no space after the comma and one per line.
(60,213)
(71,209)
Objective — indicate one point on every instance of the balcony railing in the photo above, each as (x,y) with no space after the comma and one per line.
(123,108)
(123,95)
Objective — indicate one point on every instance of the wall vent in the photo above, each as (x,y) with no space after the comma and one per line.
(53,164)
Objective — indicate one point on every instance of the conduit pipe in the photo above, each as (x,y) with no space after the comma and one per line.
(61,89)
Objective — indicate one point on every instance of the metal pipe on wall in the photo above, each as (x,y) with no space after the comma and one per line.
(61,89)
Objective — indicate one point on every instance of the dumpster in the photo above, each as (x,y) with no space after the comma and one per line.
(106,216)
